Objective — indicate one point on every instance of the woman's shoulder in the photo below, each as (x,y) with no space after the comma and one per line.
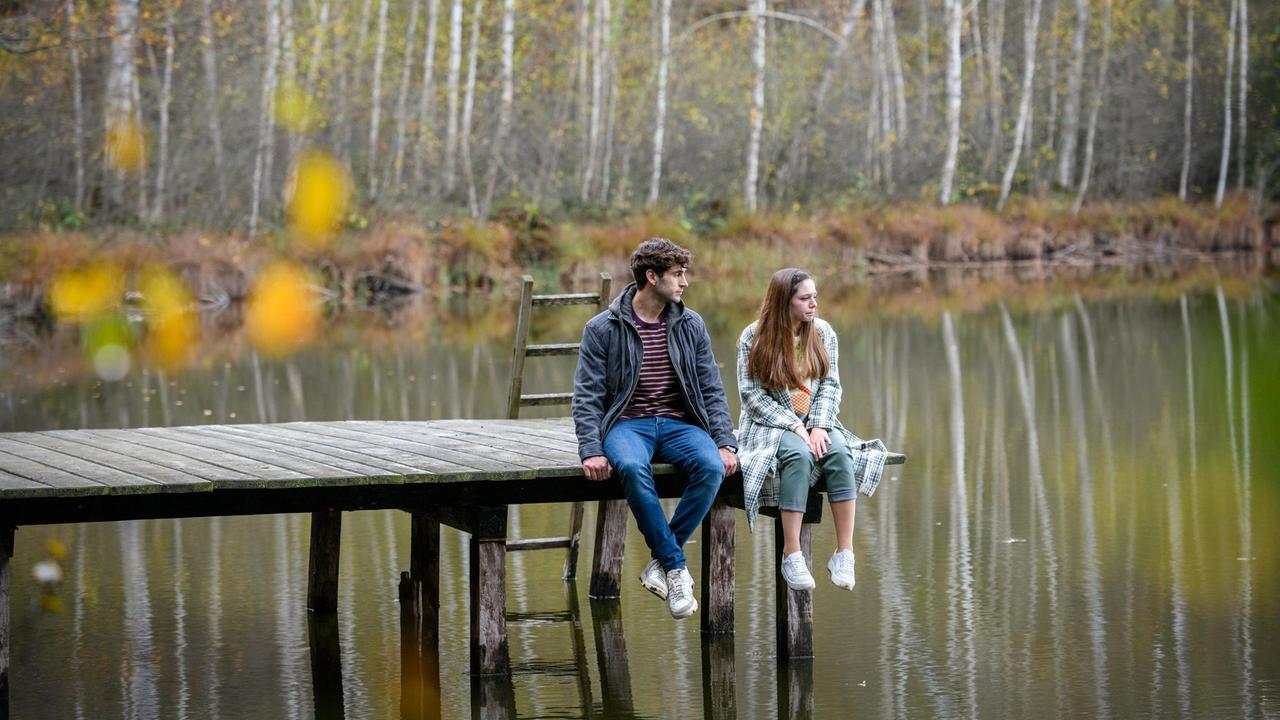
(823,327)
(748,333)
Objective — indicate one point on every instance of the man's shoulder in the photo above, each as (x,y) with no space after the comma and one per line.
(601,322)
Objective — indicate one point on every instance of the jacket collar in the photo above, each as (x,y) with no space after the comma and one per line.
(621,306)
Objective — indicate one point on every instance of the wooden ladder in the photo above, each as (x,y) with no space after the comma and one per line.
(516,400)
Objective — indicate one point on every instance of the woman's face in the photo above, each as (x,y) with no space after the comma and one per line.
(804,302)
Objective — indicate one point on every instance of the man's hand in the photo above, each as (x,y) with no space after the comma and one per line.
(730,461)
(597,468)
(818,442)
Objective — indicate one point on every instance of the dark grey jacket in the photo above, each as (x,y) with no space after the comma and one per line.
(609,371)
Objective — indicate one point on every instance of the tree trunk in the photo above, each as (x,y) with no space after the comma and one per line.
(1075,81)
(402,101)
(758,8)
(313,67)
(468,108)
(289,72)
(119,99)
(995,67)
(266,133)
(504,110)
(955,17)
(895,65)
(883,92)
(455,71)
(426,101)
(660,104)
(599,63)
(1242,112)
(1186,110)
(1030,33)
(1226,107)
(1051,125)
(926,108)
(166,90)
(77,100)
(582,84)
(1099,90)
(209,59)
(375,99)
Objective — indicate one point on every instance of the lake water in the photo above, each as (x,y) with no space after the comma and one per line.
(1086,526)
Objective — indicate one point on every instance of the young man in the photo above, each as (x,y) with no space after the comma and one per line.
(647,389)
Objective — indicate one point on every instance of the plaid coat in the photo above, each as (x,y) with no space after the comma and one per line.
(767,414)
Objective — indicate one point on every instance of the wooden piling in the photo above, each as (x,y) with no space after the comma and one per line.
(795,690)
(6,554)
(719,678)
(794,607)
(489,654)
(611,540)
(611,658)
(717,569)
(420,623)
(326,666)
(322,578)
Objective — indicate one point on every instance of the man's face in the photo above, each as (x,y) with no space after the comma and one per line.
(672,283)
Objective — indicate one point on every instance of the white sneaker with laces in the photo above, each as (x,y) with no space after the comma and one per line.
(680,599)
(841,567)
(654,579)
(796,572)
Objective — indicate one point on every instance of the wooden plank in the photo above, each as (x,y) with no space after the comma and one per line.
(328,447)
(9,481)
(62,482)
(794,615)
(67,444)
(575,541)
(519,343)
(520,432)
(373,446)
(450,448)
(95,471)
(257,450)
(611,539)
(493,444)
(188,465)
(561,299)
(488,587)
(169,440)
(255,435)
(552,350)
(718,570)
(544,543)
(322,571)
(541,399)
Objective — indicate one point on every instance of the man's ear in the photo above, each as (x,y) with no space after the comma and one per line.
(652,276)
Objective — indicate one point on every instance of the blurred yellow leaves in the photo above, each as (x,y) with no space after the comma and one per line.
(318,193)
(171,328)
(283,312)
(126,145)
(79,295)
(295,110)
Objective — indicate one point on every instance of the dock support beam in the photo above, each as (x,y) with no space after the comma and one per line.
(420,623)
(322,577)
(6,554)
(611,540)
(794,607)
(489,654)
(717,570)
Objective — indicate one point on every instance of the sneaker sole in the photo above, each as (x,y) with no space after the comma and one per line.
(840,584)
(692,609)
(661,592)
(809,586)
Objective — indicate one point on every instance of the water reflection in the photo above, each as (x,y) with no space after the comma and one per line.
(1081,531)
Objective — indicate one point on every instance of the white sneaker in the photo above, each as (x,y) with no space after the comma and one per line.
(841,567)
(680,599)
(654,579)
(796,572)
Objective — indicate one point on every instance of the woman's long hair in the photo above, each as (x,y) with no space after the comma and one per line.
(772,358)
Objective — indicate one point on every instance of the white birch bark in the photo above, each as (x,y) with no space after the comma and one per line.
(426,101)
(758,8)
(451,92)
(143,206)
(468,108)
(209,61)
(926,109)
(582,84)
(266,133)
(1051,124)
(375,98)
(166,91)
(1186,109)
(1242,111)
(1099,90)
(660,102)
(895,65)
(611,124)
(955,16)
(504,109)
(1030,33)
(77,100)
(598,63)
(121,79)
(313,66)
(1075,82)
(402,101)
(289,70)
(995,67)
(1226,107)
(350,76)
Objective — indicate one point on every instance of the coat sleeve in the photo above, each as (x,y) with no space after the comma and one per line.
(756,401)
(589,390)
(826,402)
(712,388)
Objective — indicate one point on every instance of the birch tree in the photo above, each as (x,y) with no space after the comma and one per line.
(402,100)
(166,92)
(1099,90)
(121,81)
(266,133)
(375,99)
(1075,82)
(758,8)
(451,93)
(1030,34)
(468,108)
(426,100)
(77,101)
(1186,108)
(1226,106)
(498,163)
(599,65)
(955,17)
(995,67)
(660,101)
(1242,114)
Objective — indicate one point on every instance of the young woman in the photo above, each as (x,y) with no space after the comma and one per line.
(788,432)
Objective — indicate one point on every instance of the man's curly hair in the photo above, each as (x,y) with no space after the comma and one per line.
(658,255)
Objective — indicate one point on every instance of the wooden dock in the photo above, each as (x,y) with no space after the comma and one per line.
(462,473)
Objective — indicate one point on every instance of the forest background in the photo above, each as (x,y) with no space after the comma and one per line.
(525,131)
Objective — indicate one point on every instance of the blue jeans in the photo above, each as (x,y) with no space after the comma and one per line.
(632,445)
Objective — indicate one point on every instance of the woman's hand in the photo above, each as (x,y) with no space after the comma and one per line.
(818,442)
